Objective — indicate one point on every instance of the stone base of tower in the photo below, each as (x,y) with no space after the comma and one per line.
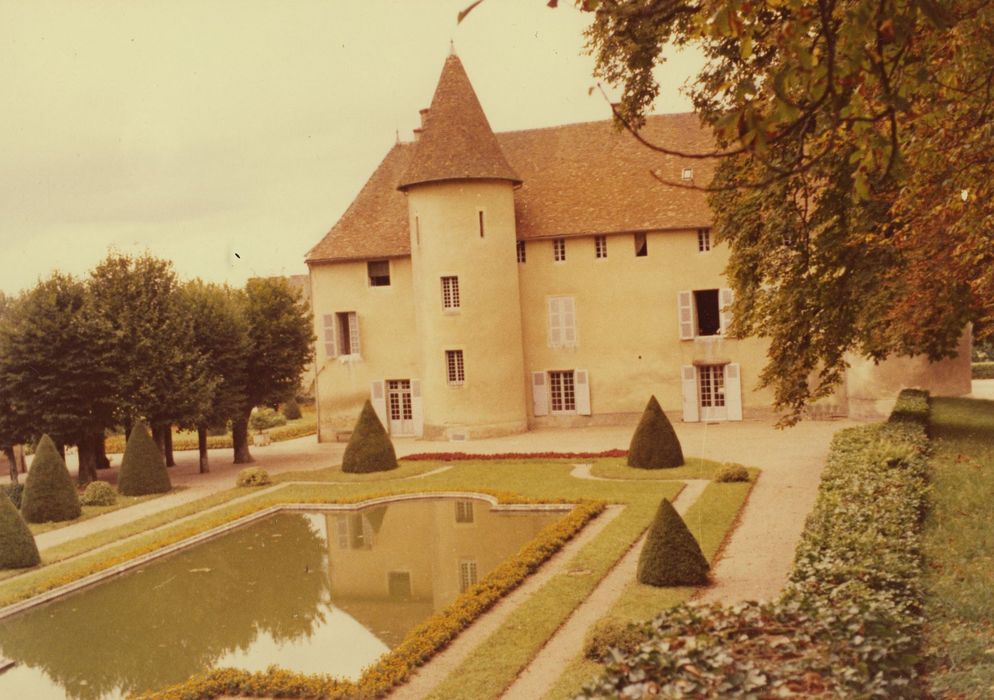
(458,433)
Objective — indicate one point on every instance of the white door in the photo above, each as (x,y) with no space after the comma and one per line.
(711,390)
(400,408)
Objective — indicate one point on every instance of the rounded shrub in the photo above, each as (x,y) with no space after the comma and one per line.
(730,472)
(17,545)
(253,476)
(654,444)
(291,410)
(612,633)
(98,493)
(671,555)
(143,470)
(369,448)
(265,418)
(49,493)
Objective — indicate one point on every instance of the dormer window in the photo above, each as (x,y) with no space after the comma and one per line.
(379,273)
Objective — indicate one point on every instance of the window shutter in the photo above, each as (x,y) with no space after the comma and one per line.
(726,297)
(555,323)
(354,332)
(568,308)
(540,397)
(329,335)
(685,312)
(581,388)
(733,391)
(417,408)
(688,376)
(379,400)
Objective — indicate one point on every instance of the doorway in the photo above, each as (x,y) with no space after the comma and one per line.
(711,390)
(399,407)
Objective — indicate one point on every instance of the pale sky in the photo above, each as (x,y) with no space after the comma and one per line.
(198,130)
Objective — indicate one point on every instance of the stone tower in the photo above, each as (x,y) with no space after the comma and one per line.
(460,197)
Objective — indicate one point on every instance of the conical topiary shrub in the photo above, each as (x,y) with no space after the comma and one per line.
(654,444)
(291,410)
(49,493)
(17,545)
(143,470)
(369,448)
(671,555)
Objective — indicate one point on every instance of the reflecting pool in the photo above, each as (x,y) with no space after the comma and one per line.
(316,592)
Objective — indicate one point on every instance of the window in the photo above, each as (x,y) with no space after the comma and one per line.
(521,251)
(379,273)
(399,584)
(703,240)
(450,292)
(454,367)
(687,174)
(641,245)
(562,322)
(399,399)
(559,249)
(348,332)
(707,312)
(467,573)
(562,391)
(464,511)
(480,216)
(711,379)
(600,246)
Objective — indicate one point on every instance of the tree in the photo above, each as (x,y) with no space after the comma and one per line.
(17,545)
(143,468)
(671,555)
(654,443)
(49,494)
(855,142)
(11,433)
(369,448)
(280,346)
(57,374)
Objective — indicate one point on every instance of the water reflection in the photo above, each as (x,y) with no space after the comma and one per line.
(318,593)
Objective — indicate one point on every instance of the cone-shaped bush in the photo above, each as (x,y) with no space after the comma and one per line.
(654,444)
(671,555)
(369,448)
(17,544)
(49,493)
(291,409)
(143,470)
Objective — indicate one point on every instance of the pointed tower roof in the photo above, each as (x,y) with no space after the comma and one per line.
(457,142)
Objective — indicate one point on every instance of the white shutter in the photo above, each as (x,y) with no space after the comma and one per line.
(725,299)
(540,396)
(555,323)
(685,313)
(329,335)
(568,308)
(581,390)
(379,400)
(688,380)
(733,391)
(417,408)
(354,332)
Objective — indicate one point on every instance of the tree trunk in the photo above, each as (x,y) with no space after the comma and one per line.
(22,463)
(167,441)
(158,437)
(239,436)
(87,452)
(202,446)
(101,451)
(8,452)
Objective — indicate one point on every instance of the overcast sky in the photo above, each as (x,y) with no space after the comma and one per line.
(198,130)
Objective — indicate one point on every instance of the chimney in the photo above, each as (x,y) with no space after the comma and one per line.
(424,116)
(417,134)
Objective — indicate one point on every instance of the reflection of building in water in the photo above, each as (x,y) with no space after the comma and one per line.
(393,566)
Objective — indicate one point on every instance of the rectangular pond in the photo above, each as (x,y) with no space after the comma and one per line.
(315,592)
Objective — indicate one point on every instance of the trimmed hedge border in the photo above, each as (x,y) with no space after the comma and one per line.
(460,456)
(423,642)
(849,622)
(115,443)
(982,370)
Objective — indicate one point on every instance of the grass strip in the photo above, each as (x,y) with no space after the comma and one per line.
(617,468)
(93,511)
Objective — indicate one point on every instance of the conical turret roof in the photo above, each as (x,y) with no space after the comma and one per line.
(457,142)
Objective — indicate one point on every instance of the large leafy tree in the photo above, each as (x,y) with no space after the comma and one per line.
(855,141)
(56,368)
(11,431)
(281,344)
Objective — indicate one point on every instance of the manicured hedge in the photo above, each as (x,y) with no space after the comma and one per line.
(49,492)
(671,556)
(462,456)
(143,469)
(17,544)
(983,370)
(654,444)
(911,407)
(369,448)
(849,621)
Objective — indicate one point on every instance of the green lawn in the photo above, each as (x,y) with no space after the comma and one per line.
(94,511)
(959,550)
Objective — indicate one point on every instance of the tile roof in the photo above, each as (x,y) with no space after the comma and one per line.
(457,142)
(578,179)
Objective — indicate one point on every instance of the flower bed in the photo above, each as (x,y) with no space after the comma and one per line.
(848,623)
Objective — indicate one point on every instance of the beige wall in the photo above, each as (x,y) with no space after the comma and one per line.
(627,327)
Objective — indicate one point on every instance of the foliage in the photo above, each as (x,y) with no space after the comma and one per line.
(731,472)
(98,493)
(911,407)
(14,493)
(17,545)
(504,456)
(847,135)
(671,556)
(264,418)
(291,410)
(253,476)
(654,444)
(611,633)
(143,469)
(983,370)
(49,493)
(369,448)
